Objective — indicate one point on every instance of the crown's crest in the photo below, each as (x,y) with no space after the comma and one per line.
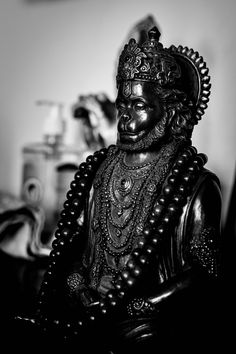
(148,62)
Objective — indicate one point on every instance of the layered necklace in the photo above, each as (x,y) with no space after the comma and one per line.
(123,200)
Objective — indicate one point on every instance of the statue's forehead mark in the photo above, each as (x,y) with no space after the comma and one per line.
(126,88)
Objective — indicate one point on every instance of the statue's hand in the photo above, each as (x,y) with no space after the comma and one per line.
(106,284)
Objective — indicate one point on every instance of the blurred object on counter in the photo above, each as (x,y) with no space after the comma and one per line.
(21,228)
(40,163)
(49,166)
(98,116)
(65,174)
(23,256)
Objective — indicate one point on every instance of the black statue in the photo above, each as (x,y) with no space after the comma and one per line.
(137,248)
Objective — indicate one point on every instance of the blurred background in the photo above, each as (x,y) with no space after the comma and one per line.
(58,61)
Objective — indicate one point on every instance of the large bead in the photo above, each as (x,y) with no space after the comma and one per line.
(73,184)
(161,200)
(69,194)
(149,249)
(193,168)
(143,259)
(152,221)
(172,208)
(180,161)
(103,307)
(61,243)
(186,154)
(78,175)
(64,214)
(182,189)
(166,219)
(103,152)
(82,183)
(131,281)
(203,157)
(55,253)
(137,271)
(176,171)
(125,274)
(66,204)
(95,159)
(155,241)
(121,294)
(158,209)
(73,212)
(192,150)
(57,234)
(120,285)
(65,232)
(137,252)
(167,190)
(131,264)
(141,242)
(171,179)
(89,167)
(178,199)
(87,175)
(187,178)
(61,223)
(79,194)
(198,161)
(161,230)
(147,231)
(90,158)
(82,166)
(75,202)
(111,294)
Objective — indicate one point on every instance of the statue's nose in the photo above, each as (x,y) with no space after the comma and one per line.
(126,123)
(126,117)
(123,122)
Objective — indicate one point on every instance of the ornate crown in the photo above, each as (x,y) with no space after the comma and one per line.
(150,62)
(180,68)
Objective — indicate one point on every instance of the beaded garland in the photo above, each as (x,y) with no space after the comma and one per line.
(164,217)
(67,227)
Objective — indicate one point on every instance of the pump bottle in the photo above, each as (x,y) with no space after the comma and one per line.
(48,168)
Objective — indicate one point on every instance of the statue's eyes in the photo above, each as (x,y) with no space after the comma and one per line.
(120,106)
(140,106)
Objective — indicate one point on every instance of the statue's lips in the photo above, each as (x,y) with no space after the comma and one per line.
(131,136)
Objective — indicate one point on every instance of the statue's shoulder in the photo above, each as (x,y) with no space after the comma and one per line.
(207,192)
(207,178)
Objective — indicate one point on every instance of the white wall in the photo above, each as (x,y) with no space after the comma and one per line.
(59,49)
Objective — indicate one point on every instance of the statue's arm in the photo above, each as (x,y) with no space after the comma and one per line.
(203,228)
(201,249)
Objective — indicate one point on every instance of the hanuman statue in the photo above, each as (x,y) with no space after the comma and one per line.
(137,246)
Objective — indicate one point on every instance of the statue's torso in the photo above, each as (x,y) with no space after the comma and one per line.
(121,203)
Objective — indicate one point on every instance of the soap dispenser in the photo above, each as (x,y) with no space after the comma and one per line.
(40,164)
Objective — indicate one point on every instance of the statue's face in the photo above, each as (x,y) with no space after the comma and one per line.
(138,112)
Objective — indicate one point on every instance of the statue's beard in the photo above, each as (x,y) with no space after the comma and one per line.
(148,141)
